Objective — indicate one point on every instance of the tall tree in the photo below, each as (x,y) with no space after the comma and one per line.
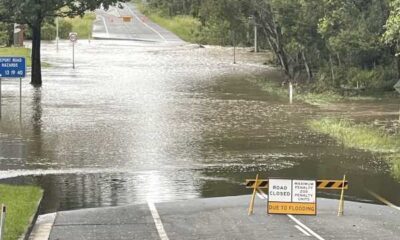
(34,12)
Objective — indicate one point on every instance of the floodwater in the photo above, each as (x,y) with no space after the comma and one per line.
(138,121)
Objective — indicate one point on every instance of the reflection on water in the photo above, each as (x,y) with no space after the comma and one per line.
(137,121)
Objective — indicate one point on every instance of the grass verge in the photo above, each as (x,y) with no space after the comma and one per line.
(183,26)
(21,202)
(23,52)
(357,135)
(82,25)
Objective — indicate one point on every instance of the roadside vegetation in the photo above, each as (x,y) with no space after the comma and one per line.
(23,52)
(275,87)
(35,14)
(362,136)
(323,46)
(81,25)
(21,203)
(20,51)
(183,26)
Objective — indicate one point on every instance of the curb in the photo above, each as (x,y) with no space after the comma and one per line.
(28,231)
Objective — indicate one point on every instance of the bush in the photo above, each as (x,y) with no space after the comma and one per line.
(49,31)
(378,78)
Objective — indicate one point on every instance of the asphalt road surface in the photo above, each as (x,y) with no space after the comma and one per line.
(129,24)
(223,218)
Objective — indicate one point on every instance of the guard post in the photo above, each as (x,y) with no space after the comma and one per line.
(397,88)
(2,221)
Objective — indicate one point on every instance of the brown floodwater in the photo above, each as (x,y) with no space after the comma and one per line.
(138,121)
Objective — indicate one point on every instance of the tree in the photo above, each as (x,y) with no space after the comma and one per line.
(391,35)
(35,12)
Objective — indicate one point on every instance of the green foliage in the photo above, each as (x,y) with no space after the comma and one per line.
(186,27)
(21,203)
(206,22)
(49,30)
(81,25)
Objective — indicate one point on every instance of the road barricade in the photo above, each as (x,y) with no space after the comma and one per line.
(291,196)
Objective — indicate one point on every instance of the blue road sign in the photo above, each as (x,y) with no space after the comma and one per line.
(12,67)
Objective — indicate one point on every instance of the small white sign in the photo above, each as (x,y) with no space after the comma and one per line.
(73,36)
(304,191)
(280,190)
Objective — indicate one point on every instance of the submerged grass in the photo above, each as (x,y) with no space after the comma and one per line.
(274,86)
(362,136)
(357,135)
(21,203)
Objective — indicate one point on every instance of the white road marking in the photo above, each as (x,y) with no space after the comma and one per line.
(157,221)
(305,227)
(302,230)
(105,25)
(301,227)
(383,200)
(263,193)
(148,26)
(260,196)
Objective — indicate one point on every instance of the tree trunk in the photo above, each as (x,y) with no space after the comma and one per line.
(307,67)
(36,79)
(332,71)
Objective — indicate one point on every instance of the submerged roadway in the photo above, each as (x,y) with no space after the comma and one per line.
(212,218)
(127,23)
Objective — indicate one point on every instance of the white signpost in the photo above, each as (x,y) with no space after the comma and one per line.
(73,37)
(397,87)
(292,197)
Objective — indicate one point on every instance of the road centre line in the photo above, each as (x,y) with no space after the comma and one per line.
(301,227)
(305,227)
(157,221)
(148,26)
(302,230)
(105,24)
(383,200)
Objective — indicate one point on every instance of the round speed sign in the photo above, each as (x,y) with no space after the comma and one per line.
(73,36)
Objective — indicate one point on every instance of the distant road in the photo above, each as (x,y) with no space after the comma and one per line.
(110,24)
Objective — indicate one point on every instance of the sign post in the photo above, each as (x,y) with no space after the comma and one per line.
(397,87)
(2,221)
(57,32)
(13,67)
(288,196)
(73,37)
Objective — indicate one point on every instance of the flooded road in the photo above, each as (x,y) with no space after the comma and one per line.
(137,121)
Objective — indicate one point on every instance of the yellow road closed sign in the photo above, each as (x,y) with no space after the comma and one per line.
(286,196)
